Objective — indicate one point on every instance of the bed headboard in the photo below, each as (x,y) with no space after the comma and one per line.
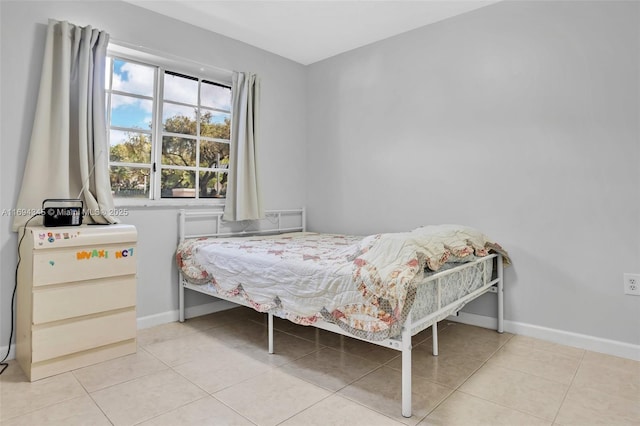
(209,223)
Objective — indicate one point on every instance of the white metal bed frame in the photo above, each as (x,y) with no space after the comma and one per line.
(401,342)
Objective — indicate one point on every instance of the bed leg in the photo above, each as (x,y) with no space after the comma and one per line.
(270,326)
(500,295)
(434,338)
(181,297)
(406,370)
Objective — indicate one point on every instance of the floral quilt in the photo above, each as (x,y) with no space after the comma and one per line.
(365,285)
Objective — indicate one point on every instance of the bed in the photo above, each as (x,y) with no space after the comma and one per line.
(381,288)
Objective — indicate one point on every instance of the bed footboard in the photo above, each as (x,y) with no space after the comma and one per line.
(209,223)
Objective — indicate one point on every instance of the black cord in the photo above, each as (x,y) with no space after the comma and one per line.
(4,364)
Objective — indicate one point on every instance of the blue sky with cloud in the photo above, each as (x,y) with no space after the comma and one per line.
(136,111)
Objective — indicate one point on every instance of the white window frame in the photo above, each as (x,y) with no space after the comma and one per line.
(163,62)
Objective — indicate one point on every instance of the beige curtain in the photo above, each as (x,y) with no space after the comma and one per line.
(69,151)
(243,190)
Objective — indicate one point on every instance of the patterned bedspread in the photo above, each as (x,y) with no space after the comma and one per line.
(365,285)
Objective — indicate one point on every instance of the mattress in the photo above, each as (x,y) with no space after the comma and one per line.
(365,285)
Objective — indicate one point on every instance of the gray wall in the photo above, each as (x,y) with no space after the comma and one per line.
(283,126)
(520,119)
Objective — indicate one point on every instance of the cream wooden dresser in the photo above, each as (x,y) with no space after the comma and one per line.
(76,297)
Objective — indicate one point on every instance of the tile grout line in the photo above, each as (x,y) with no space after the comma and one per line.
(168,367)
(358,402)
(494,402)
(91,397)
(233,409)
(530,373)
(330,390)
(457,389)
(305,409)
(258,375)
(564,397)
(71,398)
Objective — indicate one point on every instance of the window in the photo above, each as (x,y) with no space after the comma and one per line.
(169,131)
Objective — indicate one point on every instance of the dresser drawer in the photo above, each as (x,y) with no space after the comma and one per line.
(59,339)
(83,263)
(83,298)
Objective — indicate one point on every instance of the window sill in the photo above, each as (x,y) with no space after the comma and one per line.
(168,203)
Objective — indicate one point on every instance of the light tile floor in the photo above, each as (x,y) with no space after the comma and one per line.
(215,370)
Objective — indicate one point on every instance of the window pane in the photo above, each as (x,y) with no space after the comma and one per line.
(133,78)
(131,182)
(179,119)
(178,184)
(215,124)
(134,113)
(129,147)
(178,151)
(180,89)
(215,96)
(213,184)
(214,154)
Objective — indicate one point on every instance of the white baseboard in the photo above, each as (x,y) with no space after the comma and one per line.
(190,312)
(582,341)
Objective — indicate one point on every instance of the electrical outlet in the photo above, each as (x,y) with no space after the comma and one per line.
(632,284)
